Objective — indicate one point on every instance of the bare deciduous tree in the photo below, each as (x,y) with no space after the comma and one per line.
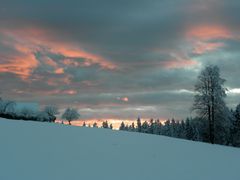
(70,114)
(208,101)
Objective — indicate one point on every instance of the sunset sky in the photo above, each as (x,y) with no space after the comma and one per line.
(117,59)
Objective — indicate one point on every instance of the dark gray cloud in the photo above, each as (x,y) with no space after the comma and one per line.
(92,54)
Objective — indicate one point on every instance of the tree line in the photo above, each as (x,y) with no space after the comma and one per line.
(47,114)
(215,122)
(194,129)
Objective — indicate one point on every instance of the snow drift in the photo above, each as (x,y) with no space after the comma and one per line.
(44,151)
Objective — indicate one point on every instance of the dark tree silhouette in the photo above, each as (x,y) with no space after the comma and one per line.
(209,98)
(70,114)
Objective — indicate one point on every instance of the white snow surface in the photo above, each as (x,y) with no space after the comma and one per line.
(44,151)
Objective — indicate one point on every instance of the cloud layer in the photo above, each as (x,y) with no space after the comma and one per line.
(117,59)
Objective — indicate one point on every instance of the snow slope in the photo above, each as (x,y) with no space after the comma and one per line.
(44,151)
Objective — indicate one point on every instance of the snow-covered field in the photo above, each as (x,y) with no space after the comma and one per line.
(44,151)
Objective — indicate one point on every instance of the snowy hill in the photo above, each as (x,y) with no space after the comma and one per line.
(44,151)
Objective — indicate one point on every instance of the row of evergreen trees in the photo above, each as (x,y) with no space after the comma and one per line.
(214,122)
(105,125)
(195,129)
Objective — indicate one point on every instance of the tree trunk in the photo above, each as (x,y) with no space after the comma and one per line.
(210,125)
(212,111)
(209,92)
(213,121)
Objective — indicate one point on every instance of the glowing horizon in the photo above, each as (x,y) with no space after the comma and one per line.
(115,122)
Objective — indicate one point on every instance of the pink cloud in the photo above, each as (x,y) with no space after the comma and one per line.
(200,37)
(203,47)
(124,99)
(208,32)
(59,92)
(175,64)
(59,80)
(69,92)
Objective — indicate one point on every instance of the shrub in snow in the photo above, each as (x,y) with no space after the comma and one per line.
(43,116)
(27,113)
(52,111)
(7,106)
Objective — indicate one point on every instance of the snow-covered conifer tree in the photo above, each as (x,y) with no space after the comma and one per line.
(139,125)
(122,126)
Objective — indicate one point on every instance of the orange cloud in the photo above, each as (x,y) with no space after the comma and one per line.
(207,32)
(59,71)
(27,41)
(71,62)
(21,65)
(43,38)
(76,63)
(50,62)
